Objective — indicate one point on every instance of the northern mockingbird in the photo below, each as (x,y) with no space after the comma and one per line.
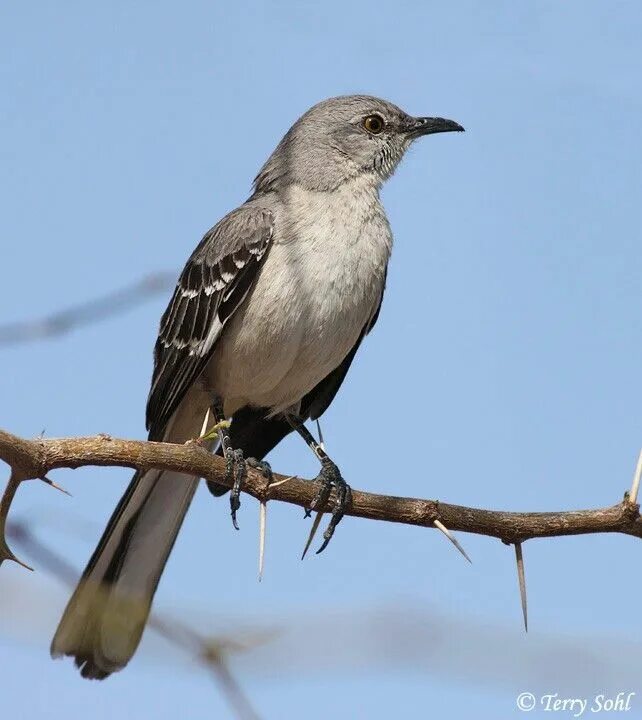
(264,323)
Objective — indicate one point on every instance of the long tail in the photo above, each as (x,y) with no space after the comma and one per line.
(104,620)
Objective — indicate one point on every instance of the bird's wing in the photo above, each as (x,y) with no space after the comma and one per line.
(214,282)
(317,401)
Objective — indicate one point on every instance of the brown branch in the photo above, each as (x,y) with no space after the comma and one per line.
(35,458)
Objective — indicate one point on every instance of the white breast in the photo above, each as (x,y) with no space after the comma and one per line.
(320,284)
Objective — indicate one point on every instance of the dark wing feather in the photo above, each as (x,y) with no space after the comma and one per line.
(214,282)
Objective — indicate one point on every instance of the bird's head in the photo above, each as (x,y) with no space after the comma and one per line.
(342,138)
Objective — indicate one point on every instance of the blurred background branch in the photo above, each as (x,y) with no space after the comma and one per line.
(87,313)
(279,646)
(211,652)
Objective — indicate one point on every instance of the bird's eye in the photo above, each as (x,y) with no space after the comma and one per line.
(373,124)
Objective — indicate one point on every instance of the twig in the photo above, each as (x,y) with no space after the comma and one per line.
(215,659)
(5,504)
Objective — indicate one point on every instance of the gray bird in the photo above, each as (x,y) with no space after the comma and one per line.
(264,323)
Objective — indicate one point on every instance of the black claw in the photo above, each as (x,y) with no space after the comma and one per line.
(330,477)
(236,470)
(263,466)
(322,496)
(344,499)
(239,470)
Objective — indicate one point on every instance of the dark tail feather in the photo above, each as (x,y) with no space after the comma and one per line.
(104,620)
(255,434)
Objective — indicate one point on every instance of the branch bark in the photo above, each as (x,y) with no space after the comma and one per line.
(33,459)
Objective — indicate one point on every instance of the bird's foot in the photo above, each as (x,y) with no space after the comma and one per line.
(329,478)
(236,472)
(263,467)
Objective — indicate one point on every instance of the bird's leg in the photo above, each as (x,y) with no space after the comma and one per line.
(235,463)
(329,477)
(235,466)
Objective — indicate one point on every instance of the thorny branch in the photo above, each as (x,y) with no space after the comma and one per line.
(33,459)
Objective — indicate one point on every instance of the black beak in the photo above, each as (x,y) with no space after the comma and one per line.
(429,125)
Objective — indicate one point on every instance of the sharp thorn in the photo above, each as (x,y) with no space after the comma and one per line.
(635,486)
(522,582)
(281,482)
(262,522)
(313,532)
(17,560)
(206,420)
(6,554)
(52,484)
(440,526)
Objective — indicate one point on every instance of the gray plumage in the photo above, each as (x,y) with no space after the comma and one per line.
(267,316)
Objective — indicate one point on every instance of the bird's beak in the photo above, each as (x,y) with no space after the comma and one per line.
(429,125)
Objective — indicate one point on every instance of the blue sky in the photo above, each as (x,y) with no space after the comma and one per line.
(506,361)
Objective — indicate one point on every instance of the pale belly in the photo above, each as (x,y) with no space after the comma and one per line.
(307,310)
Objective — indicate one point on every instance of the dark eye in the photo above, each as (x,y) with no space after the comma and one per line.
(373,124)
